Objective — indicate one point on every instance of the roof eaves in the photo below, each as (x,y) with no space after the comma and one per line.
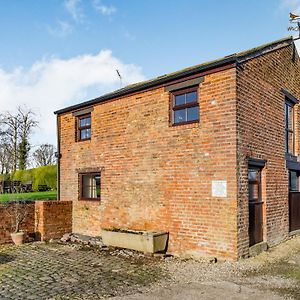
(151,83)
(257,51)
(237,57)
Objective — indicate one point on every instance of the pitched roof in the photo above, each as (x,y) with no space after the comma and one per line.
(233,58)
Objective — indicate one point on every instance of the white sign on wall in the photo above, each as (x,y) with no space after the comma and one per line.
(219,188)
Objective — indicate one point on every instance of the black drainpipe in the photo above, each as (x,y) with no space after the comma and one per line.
(58,155)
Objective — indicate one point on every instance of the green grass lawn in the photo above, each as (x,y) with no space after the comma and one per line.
(50,195)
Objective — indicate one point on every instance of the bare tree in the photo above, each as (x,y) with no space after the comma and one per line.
(5,157)
(27,122)
(10,125)
(18,212)
(44,155)
(15,131)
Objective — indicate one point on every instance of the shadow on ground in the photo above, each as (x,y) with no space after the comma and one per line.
(5,258)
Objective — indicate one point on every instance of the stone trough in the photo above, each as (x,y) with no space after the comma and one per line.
(145,241)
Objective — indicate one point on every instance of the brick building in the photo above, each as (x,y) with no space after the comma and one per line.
(208,154)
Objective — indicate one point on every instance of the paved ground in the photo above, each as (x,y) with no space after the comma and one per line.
(66,271)
(54,271)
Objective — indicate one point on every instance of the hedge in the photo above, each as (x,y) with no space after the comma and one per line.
(4,177)
(45,175)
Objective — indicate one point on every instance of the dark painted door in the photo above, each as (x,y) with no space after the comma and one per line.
(294,201)
(255,206)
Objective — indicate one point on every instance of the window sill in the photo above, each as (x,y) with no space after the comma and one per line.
(89,199)
(84,140)
(185,123)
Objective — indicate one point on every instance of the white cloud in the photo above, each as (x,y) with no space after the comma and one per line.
(51,84)
(104,9)
(74,9)
(63,29)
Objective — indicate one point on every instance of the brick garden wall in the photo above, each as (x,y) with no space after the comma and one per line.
(53,219)
(261,135)
(45,220)
(156,176)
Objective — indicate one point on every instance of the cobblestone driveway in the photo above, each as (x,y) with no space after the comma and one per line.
(55,271)
(70,271)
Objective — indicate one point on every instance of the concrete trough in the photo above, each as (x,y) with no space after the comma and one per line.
(145,241)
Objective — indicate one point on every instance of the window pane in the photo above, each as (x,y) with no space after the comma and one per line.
(290,142)
(180,99)
(253,191)
(293,181)
(286,112)
(289,117)
(252,175)
(85,122)
(191,97)
(193,113)
(97,183)
(180,116)
(90,186)
(85,133)
(86,186)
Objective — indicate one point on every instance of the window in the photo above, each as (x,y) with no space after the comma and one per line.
(293,181)
(90,186)
(185,106)
(84,127)
(254,178)
(289,128)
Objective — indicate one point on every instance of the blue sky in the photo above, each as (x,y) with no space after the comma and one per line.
(161,36)
(60,52)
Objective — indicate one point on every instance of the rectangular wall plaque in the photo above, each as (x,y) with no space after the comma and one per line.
(219,188)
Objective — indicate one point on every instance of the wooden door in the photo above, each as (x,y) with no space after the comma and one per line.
(294,210)
(294,201)
(255,206)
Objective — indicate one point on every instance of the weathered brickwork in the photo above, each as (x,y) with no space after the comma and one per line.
(52,219)
(260,115)
(44,220)
(155,176)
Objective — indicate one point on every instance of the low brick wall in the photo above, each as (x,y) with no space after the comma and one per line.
(53,219)
(44,220)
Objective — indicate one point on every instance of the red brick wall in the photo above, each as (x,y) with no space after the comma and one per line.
(260,115)
(155,176)
(7,225)
(53,219)
(45,220)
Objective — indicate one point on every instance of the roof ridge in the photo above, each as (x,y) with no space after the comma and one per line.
(174,75)
(237,54)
